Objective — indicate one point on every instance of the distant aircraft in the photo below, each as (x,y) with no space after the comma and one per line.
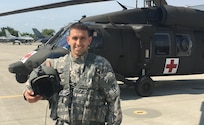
(2,39)
(20,39)
(40,37)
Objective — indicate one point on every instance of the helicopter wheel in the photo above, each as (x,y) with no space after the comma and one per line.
(21,78)
(144,86)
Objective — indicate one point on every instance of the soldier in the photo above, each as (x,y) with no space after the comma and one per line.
(90,94)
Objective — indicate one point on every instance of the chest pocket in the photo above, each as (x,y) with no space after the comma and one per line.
(88,102)
(63,106)
(88,105)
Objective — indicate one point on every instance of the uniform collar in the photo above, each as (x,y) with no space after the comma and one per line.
(80,59)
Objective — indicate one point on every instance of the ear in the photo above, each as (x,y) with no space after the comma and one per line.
(67,38)
(90,40)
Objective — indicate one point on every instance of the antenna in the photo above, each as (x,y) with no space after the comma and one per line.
(136,3)
(124,8)
(151,3)
(148,3)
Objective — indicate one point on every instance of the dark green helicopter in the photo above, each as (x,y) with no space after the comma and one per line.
(157,40)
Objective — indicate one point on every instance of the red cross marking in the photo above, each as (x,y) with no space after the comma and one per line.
(171,66)
(27,56)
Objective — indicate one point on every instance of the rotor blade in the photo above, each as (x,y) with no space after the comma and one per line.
(50,6)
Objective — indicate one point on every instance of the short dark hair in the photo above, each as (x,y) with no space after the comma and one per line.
(80,26)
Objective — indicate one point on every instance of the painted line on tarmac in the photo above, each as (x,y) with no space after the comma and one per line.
(11,96)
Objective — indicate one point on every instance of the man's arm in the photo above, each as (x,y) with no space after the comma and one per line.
(115,113)
(112,92)
(114,106)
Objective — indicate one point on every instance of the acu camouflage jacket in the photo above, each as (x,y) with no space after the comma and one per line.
(95,95)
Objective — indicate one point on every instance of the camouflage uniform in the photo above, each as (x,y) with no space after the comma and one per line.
(92,89)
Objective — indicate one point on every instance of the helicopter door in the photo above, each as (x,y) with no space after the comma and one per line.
(129,58)
(185,53)
(160,50)
(121,48)
(199,51)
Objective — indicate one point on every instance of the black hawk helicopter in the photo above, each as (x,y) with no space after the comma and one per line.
(157,40)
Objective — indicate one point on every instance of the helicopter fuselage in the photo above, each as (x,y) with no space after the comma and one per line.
(141,42)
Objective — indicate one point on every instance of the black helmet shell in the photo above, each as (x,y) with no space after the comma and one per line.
(44,81)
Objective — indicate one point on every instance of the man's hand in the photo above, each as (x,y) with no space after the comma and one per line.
(30,97)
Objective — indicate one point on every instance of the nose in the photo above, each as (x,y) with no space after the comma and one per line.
(79,41)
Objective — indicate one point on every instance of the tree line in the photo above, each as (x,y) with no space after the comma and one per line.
(45,32)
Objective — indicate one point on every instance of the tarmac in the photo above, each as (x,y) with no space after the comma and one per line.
(177,100)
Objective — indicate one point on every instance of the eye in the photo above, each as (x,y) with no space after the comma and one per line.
(74,38)
(83,38)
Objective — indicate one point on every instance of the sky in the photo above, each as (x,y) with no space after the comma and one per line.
(59,17)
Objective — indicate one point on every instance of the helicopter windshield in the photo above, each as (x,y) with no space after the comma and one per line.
(59,39)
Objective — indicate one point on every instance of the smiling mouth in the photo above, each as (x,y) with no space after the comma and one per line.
(78,48)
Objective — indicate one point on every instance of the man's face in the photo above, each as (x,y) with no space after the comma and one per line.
(79,41)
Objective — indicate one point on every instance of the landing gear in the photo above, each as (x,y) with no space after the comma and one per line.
(144,86)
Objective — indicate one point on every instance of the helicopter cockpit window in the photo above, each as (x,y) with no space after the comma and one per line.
(183,45)
(161,44)
(60,39)
(96,44)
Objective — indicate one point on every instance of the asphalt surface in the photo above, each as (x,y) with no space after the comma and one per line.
(177,100)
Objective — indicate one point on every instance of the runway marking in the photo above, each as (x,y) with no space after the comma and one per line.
(11,96)
(140,112)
